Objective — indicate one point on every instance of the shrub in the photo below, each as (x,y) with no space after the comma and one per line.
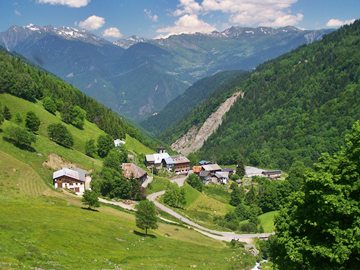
(32,122)
(49,105)
(59,134)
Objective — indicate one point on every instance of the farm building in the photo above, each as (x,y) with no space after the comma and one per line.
(212,168)
(275,174)
(181,164)
(155,160)
(130,170)
(118,143)
(75,179)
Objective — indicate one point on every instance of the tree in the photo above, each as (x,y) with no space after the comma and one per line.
(319,228)
(49,105)
(195,181)
(59,134)
(175,196)
(240,169)
(146,216)
(104,144)
(32,122)
(19,136)
(113,159)
(90,198)
(74,115)
(6,113)
(18,118)
(236,196)
(1,118)
(90,148)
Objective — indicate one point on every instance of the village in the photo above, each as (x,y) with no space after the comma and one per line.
(78,180)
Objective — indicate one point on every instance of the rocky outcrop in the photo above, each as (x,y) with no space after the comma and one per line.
(194,139)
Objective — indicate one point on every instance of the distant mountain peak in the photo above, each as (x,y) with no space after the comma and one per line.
(129,41)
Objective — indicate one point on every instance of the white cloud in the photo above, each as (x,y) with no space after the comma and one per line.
(338,23)
(274,13)
(150,15)
(112,32)
(92,23)
(189,23)
(70,3)
(17,13)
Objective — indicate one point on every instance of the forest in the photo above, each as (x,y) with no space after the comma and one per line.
(295,107)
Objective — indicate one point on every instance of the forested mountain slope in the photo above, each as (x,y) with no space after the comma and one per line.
(296,106)
(195,94)
(21,79)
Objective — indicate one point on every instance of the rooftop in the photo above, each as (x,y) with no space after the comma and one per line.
(130,170)
(77,174)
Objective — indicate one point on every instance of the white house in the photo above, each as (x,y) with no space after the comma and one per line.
(77,180)
(118,142)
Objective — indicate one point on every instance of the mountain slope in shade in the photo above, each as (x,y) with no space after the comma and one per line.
(195,94)
(295,107)
(140,80)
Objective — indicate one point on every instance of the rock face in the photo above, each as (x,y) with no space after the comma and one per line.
(194,139)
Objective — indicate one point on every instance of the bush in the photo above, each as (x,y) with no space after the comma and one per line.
(90,198)
(90,148)
(74,116)
(175,197)
(19,136)
(104,144)
(195,181)
(32,122)
(49,105)
(115,158)
(6,113)
(59,134)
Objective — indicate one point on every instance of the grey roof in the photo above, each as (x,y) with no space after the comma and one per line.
(169,161)
(180,159)
(77,173)
(222,175)
(204,173)
(211,167)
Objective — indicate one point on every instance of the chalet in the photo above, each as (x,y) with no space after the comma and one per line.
(181,164)
(168,163)
(75,179)
(275,174)
(119,143)
(223,177)
(155,160)
(212,168)
(130,170)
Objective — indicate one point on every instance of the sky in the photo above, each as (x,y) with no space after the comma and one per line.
(114,19)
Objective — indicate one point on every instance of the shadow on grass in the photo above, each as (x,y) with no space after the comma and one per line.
(21,146)
(89,209)
(144,235)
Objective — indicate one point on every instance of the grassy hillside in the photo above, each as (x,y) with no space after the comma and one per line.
(295,107)
(59,234)
(21,79)
(202,208)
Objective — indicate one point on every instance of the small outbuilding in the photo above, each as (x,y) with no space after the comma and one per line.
(130,170)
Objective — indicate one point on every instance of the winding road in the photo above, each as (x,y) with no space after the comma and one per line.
(218,235)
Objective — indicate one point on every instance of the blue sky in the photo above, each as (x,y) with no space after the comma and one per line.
(113,19)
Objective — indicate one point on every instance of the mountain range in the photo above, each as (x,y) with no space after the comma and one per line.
(137,77)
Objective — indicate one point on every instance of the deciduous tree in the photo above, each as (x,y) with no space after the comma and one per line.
(146,216)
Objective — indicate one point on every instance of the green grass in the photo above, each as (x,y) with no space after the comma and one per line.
(137,147)
(15,104)
(41,228)
(202,208)
(218,192)
(47,229)
(158,184)
(267,221)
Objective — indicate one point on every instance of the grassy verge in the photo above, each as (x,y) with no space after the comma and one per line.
(267,221)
